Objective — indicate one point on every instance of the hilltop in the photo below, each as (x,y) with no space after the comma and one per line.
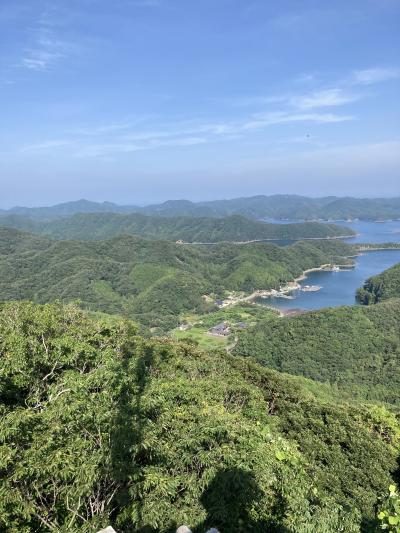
(100,426)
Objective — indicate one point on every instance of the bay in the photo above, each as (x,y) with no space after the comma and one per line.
(339,288)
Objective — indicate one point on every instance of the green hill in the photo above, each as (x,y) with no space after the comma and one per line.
(286,207)
(67,209)
(381,287)
(151,281)
(100,426)
(279,206)
(355,349)
(99,226)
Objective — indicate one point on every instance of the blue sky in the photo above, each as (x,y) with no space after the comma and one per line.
(137,101)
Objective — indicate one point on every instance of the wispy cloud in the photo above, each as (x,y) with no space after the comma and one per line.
(371,76)
(339,92)
(270,119)
(46,47)
(325,98)
(101,130)
(115,140)
(104,150)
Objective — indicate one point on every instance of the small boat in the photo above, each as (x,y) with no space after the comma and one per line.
(311,288)
(335,268)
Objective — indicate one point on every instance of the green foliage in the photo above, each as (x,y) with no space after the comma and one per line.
(354,349)
(99,426)
(98,226)
(150,281)
(248,313)
(199,325)
(381,287)
(389,516)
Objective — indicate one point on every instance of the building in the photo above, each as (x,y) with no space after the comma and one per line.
(220,330)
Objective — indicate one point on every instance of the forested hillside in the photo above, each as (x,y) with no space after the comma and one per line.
(98,226)
(281,206)
(355,349)
(381,287)
(67,209)
(100,426)
(287,207)
(151,281)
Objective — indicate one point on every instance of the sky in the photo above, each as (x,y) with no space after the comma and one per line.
(140,101)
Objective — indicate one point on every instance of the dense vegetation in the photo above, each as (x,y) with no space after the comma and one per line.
(237,317)
(285,207)
(381,287)
(355,349)
(98,226)
(99,426)
(151,281)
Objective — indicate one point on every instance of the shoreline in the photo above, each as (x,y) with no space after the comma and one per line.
(287,289)
(297,239)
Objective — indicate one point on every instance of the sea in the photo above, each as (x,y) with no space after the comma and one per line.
(339,288)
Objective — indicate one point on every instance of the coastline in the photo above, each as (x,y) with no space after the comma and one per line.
(287,289)
(336,237)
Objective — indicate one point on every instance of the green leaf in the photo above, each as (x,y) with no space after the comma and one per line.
(281,456)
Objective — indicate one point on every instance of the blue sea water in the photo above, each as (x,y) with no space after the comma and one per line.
(338,288)
(374,231)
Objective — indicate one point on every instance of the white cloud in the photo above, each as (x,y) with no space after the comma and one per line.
(40,59)
(104,150)
(101,130)
(269,119)
(325,98)
(81,144)
(375,75)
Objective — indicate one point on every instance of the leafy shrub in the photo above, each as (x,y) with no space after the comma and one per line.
(389,516)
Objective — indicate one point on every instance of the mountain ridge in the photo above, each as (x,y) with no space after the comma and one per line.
(279,206)
(234,228)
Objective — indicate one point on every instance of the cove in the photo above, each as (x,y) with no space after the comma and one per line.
(339,288)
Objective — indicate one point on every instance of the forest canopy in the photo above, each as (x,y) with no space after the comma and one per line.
(354,349)
(100,426)
(150,281)
(235,228)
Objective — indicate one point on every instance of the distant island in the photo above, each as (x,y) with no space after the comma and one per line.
(280,207)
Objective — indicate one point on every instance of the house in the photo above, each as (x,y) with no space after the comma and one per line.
(241,325)
(220,330)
